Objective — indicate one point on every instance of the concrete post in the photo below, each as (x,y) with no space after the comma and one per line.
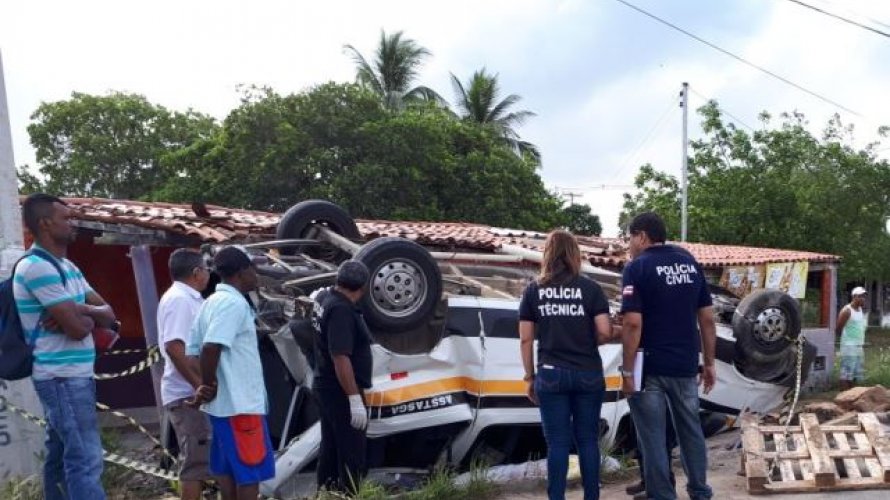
(20,441)
(147,291)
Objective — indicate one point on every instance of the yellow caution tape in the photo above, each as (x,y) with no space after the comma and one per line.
(123,351)
(138,466)
(138,427)
(114,458)
(154,355)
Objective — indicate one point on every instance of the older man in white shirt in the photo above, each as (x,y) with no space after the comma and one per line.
(176,312)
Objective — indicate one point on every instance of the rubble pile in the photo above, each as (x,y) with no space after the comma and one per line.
(871,399)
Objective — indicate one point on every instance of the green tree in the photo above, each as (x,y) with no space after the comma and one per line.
(656,192)
(782,187)
(108,146)
(337,141)
(393,70)
(274,150)
(581,221)
(479,101)
(28,182)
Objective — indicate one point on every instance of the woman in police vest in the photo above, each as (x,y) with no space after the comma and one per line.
(568,315)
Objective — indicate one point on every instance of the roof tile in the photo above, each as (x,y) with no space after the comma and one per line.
(221,224)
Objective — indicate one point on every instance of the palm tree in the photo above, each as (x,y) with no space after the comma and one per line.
(394,69)
(478,102)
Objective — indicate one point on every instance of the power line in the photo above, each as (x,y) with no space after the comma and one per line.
(739,58)
(840,18)
(723,110)
(672,105)
(845,7)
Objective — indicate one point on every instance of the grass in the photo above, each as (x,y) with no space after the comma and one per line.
(627,466)
(22,488)
(877,357)
(439,485)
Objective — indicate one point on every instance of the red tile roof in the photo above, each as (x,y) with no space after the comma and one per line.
(215,224)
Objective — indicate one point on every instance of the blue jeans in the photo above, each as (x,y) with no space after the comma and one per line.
(649,408)
(73,466)
(570,402)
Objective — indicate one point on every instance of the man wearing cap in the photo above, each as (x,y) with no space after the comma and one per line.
(342,372)
(851,324)
(232,389)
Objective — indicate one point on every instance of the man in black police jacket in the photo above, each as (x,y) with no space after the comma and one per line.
(342,372)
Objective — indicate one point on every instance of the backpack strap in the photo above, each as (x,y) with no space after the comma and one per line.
(52,260)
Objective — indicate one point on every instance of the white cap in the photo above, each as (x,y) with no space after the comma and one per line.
(858,291)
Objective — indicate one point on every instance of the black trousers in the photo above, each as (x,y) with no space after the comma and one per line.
(341,461)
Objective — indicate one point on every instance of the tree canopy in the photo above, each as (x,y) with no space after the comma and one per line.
(479,101)
(580,221)
(779,186)
(108,146)
(392,72)
(339,142)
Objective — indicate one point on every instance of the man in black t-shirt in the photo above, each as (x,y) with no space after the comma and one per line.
(667,313)
(342,371)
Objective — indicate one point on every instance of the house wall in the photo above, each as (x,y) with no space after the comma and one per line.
(819,378)
(110,272)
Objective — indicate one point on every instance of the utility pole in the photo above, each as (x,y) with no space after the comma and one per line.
(572,195)
(684,216)
(20,441)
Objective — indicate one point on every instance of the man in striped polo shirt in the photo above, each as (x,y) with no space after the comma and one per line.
(58,315)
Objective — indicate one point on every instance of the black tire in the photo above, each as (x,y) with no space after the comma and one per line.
(765,323)
(405,284)
(295,223)
(779,369)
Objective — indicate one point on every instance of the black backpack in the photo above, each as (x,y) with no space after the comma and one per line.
(16,354)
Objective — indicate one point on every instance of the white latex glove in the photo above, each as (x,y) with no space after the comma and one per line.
(359,414)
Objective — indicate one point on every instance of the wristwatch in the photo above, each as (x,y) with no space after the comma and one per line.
(625,373)
(529,377)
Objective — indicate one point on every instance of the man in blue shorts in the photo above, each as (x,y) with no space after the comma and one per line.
(232,389)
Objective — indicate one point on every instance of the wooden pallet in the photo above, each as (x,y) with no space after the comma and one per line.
(814,457)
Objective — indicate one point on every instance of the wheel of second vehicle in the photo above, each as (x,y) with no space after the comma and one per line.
(295,223)
(405,284)
(765,322)
(779,369)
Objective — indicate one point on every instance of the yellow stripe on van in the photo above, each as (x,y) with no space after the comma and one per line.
(454,384)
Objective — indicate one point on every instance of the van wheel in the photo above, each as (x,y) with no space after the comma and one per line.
(779,369)
(765,323)
(296,222)
(405,284)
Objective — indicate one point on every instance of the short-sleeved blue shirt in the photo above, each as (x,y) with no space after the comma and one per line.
(667,287)
(227,319)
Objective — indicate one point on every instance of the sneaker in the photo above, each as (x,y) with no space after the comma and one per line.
(641,496)
(634,489)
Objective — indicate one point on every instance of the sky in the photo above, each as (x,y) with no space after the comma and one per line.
(603,79)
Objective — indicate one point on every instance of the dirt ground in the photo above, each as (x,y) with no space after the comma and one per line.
(723,477)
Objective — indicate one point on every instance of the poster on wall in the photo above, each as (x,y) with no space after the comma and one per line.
(743,280)
(790,277)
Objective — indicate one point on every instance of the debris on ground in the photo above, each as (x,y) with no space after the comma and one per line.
(864,399)
(535,471)
(829,446)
